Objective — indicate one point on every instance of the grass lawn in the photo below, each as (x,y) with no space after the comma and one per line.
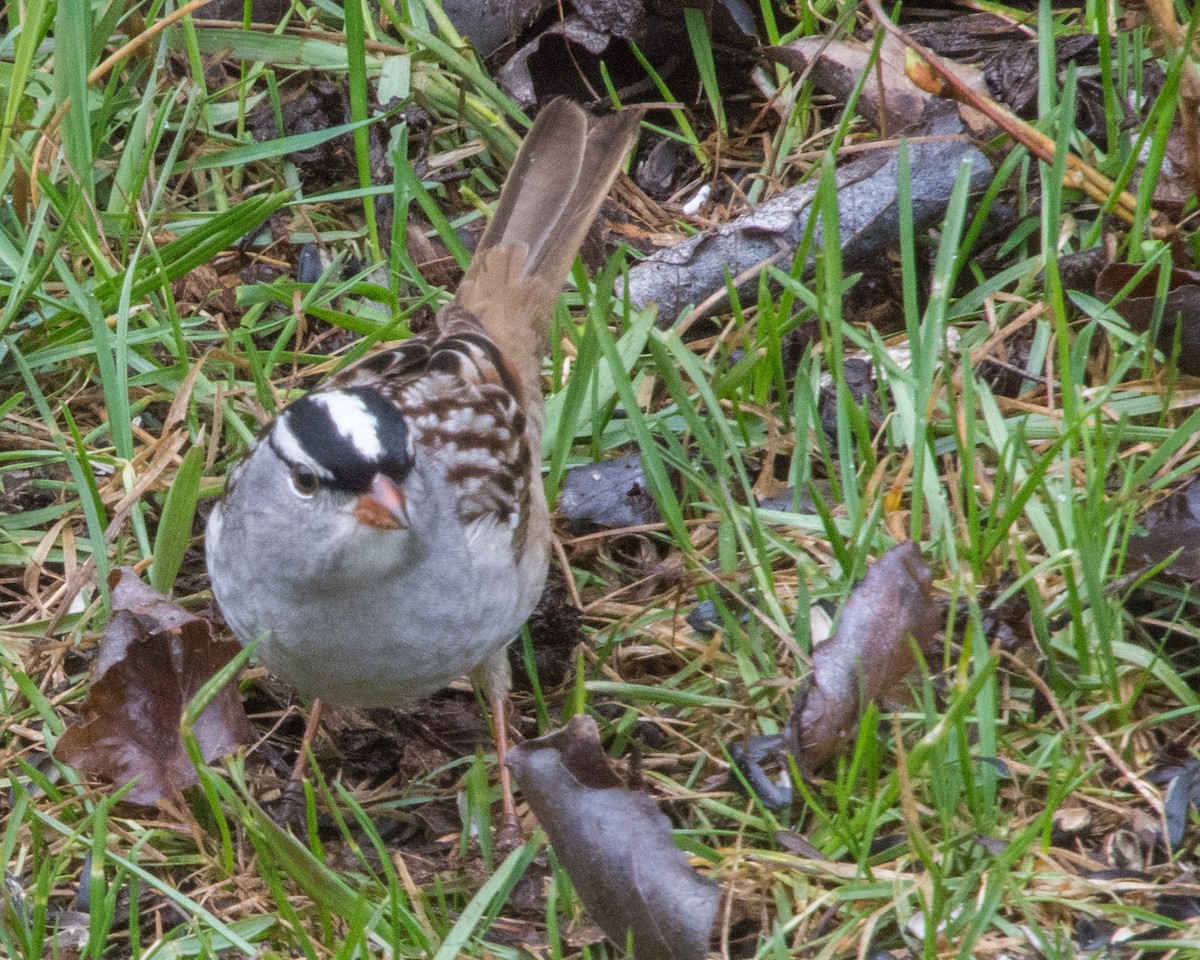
(1026,797)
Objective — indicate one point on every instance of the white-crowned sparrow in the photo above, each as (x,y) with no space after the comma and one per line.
(388,532)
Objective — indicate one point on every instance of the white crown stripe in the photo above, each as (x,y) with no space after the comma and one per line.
(352,419)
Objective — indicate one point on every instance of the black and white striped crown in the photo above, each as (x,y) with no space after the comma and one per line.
(345,437)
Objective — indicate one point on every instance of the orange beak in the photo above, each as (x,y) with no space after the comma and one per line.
(383,506)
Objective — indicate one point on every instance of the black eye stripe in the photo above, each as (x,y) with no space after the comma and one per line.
(377,444)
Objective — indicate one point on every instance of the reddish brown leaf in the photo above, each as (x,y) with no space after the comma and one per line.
(155,656)
(1172,185)
(1114,276)
(616,846)
(868,655)
(1180,310)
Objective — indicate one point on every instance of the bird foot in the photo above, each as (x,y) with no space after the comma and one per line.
(509,836)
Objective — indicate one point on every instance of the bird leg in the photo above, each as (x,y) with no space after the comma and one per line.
(310,733)
(292,792)
(510,826)
(494,677)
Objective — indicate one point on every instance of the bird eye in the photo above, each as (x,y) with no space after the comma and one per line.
(305,481)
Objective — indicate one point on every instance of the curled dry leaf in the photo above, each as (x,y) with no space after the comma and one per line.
(154,657)
(1011,60)
(490,26)
(493,27)
(616,846)
(553,58)
(867,656)
(515,77)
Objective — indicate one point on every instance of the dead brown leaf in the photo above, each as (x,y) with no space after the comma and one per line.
(616,846)
(867,657)
(1011,63)
(154,657)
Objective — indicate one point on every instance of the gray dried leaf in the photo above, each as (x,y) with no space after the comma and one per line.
(1172,526)
(610,493)
(867,656)
(618,18)
(489,24)
(616,846)
(1177,803)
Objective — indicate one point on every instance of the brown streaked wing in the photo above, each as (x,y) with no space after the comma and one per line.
(385,368)
(477,433)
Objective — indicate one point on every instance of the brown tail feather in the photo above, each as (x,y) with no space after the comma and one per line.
(560,178)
